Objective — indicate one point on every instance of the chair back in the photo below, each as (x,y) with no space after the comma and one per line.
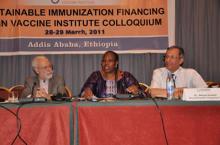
(211,84)
(144,87)
(17,90)
(4,94)
(68,92)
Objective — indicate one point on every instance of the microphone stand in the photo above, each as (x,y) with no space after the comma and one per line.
(32,89)
(116,78)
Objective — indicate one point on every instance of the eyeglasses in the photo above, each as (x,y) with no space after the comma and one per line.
(172,57)
(46,67)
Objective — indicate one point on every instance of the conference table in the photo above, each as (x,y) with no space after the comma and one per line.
(121,122)
(41,124)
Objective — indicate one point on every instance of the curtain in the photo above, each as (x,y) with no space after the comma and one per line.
(76,68)
(197,31)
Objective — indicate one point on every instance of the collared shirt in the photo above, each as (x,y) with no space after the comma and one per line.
(184,78)
(44,84)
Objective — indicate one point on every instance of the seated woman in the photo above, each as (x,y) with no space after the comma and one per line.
(109,81)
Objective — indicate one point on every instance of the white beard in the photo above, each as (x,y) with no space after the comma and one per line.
(49,76)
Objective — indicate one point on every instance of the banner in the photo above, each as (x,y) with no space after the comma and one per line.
(82,26)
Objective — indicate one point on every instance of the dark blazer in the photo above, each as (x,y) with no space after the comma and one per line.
(56,85)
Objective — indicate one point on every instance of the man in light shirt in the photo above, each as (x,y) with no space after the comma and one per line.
(44,83)
(183,77)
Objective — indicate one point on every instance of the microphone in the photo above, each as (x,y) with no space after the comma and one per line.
(61,97)
(116,79)
(141,92)
(33,99)
(33,87)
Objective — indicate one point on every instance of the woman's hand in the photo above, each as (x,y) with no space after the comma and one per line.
(87,94)
(133,89)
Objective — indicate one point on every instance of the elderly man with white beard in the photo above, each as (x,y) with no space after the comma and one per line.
(44,83)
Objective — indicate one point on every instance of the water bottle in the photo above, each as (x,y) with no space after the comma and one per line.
(170,86)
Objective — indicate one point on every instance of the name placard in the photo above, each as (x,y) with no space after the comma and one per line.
(201,94)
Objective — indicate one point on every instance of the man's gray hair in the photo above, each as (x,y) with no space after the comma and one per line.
(36,59)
